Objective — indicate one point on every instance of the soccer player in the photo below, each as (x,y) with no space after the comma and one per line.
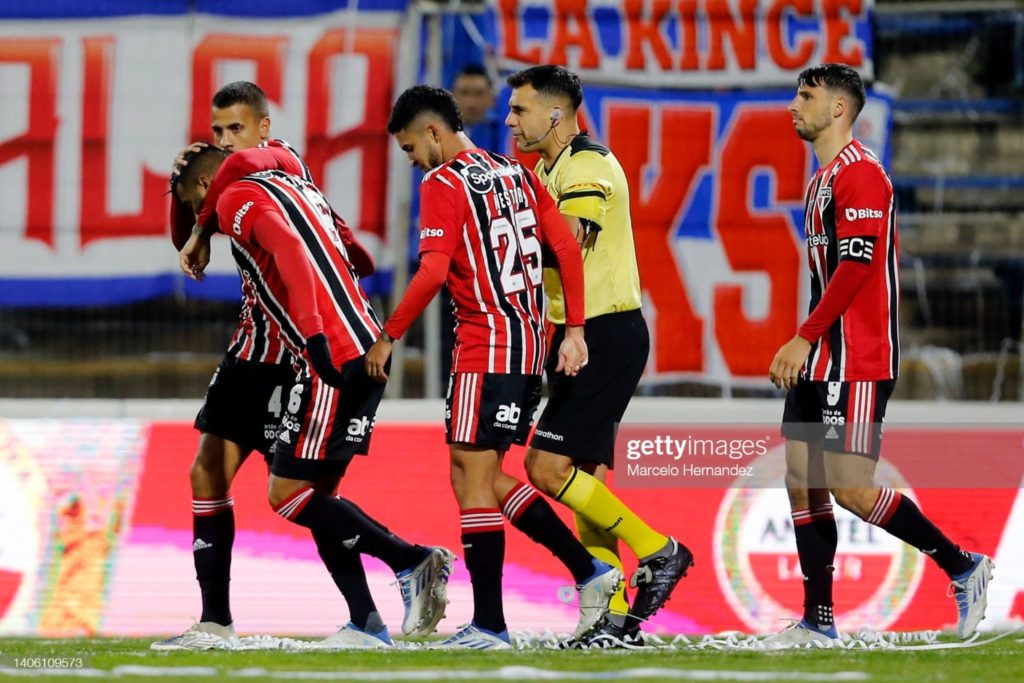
(285,230)
(841,367)
(242,408)
(484,223)
(572,448)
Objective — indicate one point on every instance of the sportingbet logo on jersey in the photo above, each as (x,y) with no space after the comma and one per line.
(236,224)
(860,214)
(508,416)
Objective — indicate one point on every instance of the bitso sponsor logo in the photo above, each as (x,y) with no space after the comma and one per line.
(858,214)
(431,232)
(236,224)
(758,569)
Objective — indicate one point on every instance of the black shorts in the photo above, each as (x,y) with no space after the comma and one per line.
(323,427)
(244,402)
(846,417)
(490,410)
(583,412)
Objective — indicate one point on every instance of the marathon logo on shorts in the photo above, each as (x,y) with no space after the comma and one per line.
(549,435)
(859,249)
(860,214)
(236,224)
(431,232)
(508,416)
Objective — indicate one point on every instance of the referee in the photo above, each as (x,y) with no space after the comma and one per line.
(571,451)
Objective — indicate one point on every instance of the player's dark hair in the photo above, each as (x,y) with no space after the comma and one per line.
(551,80)
(475,70)
(836,77)
(203,161)
(421,99)
(243,92)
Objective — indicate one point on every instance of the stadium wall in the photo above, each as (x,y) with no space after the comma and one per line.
(94,507)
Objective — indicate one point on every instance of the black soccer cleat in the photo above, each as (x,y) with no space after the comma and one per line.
(656,578)
(607,635)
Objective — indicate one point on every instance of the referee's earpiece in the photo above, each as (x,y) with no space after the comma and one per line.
(556,116)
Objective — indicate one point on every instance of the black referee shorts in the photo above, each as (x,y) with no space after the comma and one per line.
(583,412)
(244,403)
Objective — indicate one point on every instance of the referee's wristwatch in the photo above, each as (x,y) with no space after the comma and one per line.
(384,336)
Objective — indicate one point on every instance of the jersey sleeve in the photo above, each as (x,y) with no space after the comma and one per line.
(585,191)
(237,208)
(441,217)
(864,204)
(235,167)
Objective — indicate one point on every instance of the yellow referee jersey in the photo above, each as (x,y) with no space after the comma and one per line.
(588,182)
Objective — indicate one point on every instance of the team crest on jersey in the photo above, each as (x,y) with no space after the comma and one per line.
(758,569)
(824,197)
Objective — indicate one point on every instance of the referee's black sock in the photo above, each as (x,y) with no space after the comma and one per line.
(346,568)
(213,533)
(483,542)
(350,526)
(531,514)
(816,541)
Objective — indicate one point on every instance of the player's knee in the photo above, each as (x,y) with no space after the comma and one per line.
(856,500)
(547,472)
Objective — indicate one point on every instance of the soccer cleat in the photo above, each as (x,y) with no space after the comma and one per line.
(595,593)
(203,635)
(472,637)
(655,579)
(800,634)
(424,591)
(970,590)
(351,637)
(608,635)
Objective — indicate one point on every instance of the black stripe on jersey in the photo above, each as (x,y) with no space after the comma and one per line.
(364,337)
(289,331)
(835,333)
(482,212)
(892,275)
(580,193)
(526,191)
(259,342)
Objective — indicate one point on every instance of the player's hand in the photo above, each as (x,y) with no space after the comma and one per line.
(377,358)
(789,361)
(195,256)
(572,353)
(319,352)
(179,161)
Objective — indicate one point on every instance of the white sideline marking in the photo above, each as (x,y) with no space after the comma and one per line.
(505,673)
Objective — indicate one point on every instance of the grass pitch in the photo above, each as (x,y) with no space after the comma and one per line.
(132,660)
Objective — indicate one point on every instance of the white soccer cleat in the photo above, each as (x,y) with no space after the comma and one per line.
(351,637)
(801,634)
(204,635)
(424,591)
(472,637)
(595,594)
(970,590)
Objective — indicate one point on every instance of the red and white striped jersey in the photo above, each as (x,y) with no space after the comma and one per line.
(348,319)
(257,337)
(485,212)
(850,214)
